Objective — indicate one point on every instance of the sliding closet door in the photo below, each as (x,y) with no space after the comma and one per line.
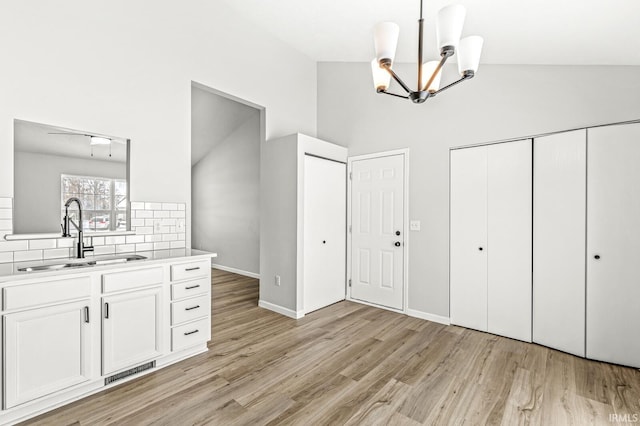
(468,256)
(559,238)
(509,181)
(613,244)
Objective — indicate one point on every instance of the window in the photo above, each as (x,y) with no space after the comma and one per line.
(104,201)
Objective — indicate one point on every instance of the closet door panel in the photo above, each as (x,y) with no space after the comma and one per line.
(613,235)
(559,239)
(509,222)
(468,227)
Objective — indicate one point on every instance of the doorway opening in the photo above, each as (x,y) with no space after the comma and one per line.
(226,138)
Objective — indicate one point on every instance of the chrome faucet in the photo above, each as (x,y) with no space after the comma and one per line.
(80,247)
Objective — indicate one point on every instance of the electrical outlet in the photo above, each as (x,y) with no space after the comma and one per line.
(180,225)
(414,225)
(277,280)
(156,226)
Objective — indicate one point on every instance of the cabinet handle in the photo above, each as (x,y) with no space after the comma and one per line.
(192,269)
(480,248)
(597,256)
(106,310)
(86,314)
(192,287)
(190,332)
(192,308)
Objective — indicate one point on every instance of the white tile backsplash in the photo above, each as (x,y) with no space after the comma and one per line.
(42,244)
(158,226)
(23,256)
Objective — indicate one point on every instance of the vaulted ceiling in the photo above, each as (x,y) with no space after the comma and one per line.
(557,32)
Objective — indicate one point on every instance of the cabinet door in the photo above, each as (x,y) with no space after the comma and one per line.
(509,181)
(613,236)
(131,327)
(559,238)
(468,256)
(45,350)
(325,215)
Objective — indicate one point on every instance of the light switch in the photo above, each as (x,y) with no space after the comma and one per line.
(414,225)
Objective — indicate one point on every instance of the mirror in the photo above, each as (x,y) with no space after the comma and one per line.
(52,164)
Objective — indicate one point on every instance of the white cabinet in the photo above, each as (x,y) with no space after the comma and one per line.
(560,167)
(190,304)
(131,329)
(47,350)
(613,244)
(491,238)
(284,234)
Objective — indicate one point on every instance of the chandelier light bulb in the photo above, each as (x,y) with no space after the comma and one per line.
(381,78)
(385,39)
(449,25)
(469,51)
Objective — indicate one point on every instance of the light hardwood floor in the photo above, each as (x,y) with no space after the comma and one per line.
(354,364)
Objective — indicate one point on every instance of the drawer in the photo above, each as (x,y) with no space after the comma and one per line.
(185,271)
(190,288)
(119,281)
(45,292)
(190,309)
(190,334)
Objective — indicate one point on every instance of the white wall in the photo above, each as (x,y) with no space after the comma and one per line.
(37,202)
(225,196)
(501,102)
(124,67)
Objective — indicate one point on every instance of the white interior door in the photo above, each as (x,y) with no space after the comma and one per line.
(377,230)
(559,239)
(613,244)
(325,215)
(509,228)
(468,255)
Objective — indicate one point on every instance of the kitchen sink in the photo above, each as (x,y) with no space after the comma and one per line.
(83,264)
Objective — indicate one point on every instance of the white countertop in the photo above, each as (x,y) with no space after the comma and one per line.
(10,271)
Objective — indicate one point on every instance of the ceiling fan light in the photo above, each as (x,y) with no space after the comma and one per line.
(449,25)
(385,38)
(469,51)
(427,70)
(381,78)
(98,140)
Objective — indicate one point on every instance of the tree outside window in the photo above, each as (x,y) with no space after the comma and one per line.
(104,201)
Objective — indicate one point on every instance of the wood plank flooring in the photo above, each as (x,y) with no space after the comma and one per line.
(357,365)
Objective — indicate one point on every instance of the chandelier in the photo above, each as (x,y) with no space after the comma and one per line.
(448,29)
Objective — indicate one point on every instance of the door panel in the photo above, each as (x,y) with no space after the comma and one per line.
(46,350)
(325,216)
(130,329)
(468,257)
(509,228)
(613,234)
(377,191)
(559,216)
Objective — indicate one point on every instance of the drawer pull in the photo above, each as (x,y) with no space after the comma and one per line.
(192,308)
(106,310)
(86,314)
(192,287)
(190,332)
(192,269)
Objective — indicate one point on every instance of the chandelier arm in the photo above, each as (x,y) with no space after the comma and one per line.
(393,94)
(443,59)
(467,75)
(396,78)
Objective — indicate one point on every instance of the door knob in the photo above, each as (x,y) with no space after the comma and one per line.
(397,232)
(397,244)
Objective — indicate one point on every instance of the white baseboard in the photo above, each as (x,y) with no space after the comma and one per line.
(236,271)
(429,317)
(281,310)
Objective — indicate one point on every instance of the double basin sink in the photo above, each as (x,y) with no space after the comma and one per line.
(83,263)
